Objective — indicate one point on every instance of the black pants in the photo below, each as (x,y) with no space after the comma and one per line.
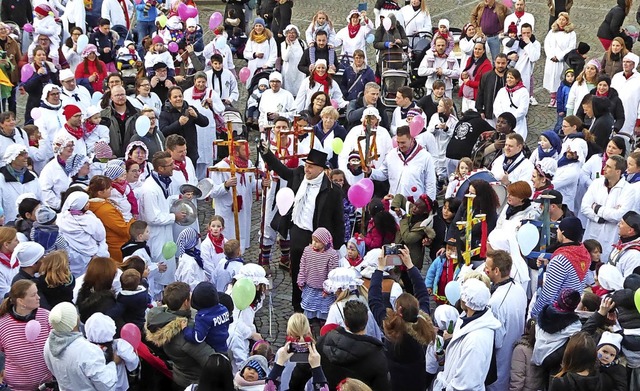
(300,238)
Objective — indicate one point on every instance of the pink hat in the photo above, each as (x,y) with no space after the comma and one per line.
(157,39)
(324,236)
(90,48)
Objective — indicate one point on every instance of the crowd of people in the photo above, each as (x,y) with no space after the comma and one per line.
(403,215)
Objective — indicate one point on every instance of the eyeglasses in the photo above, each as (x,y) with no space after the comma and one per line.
(145,85)
(119,95)
(78,34)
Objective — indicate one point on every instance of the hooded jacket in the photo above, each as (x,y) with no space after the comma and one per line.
(553,331)
(169,125)
(357,356)
(610,26)
(603,121)
(575,382)
(77,364)
(164,329)
(615,108)
(117,134)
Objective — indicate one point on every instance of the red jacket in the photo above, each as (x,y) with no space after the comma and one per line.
(93,68)
(475,83)
(374,238)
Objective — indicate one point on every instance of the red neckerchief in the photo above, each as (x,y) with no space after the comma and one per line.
(413,154)
(218,243)
(121,187)
(198,94)
(443,55)
(89,127)
(353,30)
(126,14)
(240,163)
(182,167)
(354,262)
(133,54)
(75,132)
(625,75)
(515,88)
(599,94)
(324,80)
(519,14)
(5,259)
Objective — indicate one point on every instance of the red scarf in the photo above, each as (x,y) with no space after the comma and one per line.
(75,132)
(515,88)
(324,80)
(89,127)
(218,243)
(120,186)
(123,5)
(353,30)
(198,94)
(5,260)
(240,163)
(354,262)
(519,14)
(182,167)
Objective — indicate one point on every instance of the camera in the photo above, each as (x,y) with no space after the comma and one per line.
(300,351)
(393,249)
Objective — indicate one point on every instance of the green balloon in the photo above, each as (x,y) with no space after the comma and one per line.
(169,250)
(243,293)
(636,299)
(337,145)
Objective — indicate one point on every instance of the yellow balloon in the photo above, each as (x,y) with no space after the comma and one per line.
(162,20)
(337,145)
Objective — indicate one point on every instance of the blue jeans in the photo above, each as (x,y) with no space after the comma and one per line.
(494,46)
(143,29)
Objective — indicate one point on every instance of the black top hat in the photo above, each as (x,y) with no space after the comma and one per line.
(317,158)
(159,65)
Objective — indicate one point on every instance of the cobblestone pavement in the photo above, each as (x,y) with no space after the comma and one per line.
(586,15)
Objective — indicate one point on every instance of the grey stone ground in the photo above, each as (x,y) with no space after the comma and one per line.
(586,15)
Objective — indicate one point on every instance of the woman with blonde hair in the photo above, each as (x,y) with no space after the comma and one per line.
(585,82)
(25,368)
(261,49)
(56,282)
(407,327)
(8,268)
(612,58)
(327,130)
(350,384)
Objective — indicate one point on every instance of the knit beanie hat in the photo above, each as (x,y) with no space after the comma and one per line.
(259,363)
(554,139)
(324,236)
(263,82)
(113,171)
(512,28)
(413,112)
(443,22)
(567,300)
(609,338)
(204,295)
(42,10)
(70,110)
(583,48)
(157,39)
(358,241)
(475,294)
(45,215)
(27,254)
(258,21)
(102,150)
(63,318)
(100,328)
(571,228)
(596,63)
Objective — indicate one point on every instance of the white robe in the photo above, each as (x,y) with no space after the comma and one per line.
(207,134)
(419,172)
(20,137)
(521,173)
(629,94)
(527,57)
(566,182)
(350,45)
(53,181)
(614,204)
(280,102)
(442,137)
(223,200)
(508,304)
(268,48)
(112,10)
(576,93)
(178,179)
(556,44)
(10,191)
(189,272)
(519,108)
(210,258)
(291,76)
(86,238)
(154,209)
(229,89)
(350,144)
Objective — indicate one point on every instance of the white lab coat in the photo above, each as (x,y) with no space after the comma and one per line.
(556,44)
(470,347)
(527,57)
(442,137)
(614,204)
(629,94)
(521,173)
(223,200)
(210,258)
(350,45)
(415,21)
(67,97)
(86,238)
(227,55)
(512,224)
(280,102)
(207,134)
(130,361)
(350,144)
(303,97)
(53,181)
(189,272)
(566,182)
(154,209)
(508,304)
(519,108)
(268,48)
(418,172)
(10,191)
(229,85)
(112,10)
(450,71)
(20,137)
(240,332)
(576,93)
(291,56)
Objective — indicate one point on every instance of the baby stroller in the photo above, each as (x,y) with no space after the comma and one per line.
(419,44)
(239,130)
(260,74)
(395,73)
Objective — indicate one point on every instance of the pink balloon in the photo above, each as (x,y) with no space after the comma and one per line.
(334,103)
(138,1)
(507,3)
(386,23)
(416,125)
(26,72)
(191,12)
(131,333)
(173,47)
(35,113)
(284,200)
(182,12)
(244,74)
(28,27)
(215,20)
(360,194)
(32,330)
(394,141)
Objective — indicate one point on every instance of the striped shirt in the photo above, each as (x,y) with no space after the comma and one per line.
(315,266)
(560,275)
(25,368)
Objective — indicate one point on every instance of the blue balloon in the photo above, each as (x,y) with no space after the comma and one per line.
(370,38)
(452,291)
(221,42)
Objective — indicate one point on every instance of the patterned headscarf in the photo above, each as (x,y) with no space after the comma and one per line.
(187,244)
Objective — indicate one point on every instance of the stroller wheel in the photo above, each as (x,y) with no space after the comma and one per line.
(418,92)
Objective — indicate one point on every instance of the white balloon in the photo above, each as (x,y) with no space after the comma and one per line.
(82,43)
(96,98)
(284,200)
(143,123)
(528,237)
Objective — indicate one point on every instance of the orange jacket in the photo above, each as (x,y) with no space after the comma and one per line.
(117,229)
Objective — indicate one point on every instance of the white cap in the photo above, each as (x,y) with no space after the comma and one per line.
(263,82)
(27,254)
(609,338)
(66,74)
(12,152)
(370,111)
(445,314)
(444,22)
(275,76)
(254,272)
(91,111)
(548,166)
(342,278)
(610,278)
(100,328)
(191,22)
(632,57)
(475,294)
(321,61)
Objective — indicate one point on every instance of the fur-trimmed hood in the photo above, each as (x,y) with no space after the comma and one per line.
(419,338)
(567,29)
(163,325)
(553,321)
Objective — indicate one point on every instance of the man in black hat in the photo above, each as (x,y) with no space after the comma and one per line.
(318,203)
(568,266)
(161,81)
(626,253)
(557,212)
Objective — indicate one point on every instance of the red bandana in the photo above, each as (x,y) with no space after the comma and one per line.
(89,127)
(198,94)
(519,14)
(515,88)
(5,260)
(218,243)
(353,30)
(75,132)
(324,80)
(182,167)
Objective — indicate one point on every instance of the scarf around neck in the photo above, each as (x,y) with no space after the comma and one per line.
(75,132)
(199,94)
(515,88)
(259,38)
(323,80)
(510,163)
(633,178)
(353,30)
(218,243)
(182,167)
(5,260)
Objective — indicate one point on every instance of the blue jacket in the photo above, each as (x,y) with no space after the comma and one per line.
(135,304)
(435,272)
(211,325)
(151,15)
(350,77)
(561,97)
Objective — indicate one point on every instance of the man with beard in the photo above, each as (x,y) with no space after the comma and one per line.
(490,84)
(161,81)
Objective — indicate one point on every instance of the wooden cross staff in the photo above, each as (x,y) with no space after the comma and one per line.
(468,226)
(545,227)
(231,143)
(296,131)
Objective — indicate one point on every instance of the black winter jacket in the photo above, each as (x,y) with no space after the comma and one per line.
(169,125)
(610,26)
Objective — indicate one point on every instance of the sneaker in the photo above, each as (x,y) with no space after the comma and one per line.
(533,101)
(552,103)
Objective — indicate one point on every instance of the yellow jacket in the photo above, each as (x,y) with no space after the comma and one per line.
(115,226)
